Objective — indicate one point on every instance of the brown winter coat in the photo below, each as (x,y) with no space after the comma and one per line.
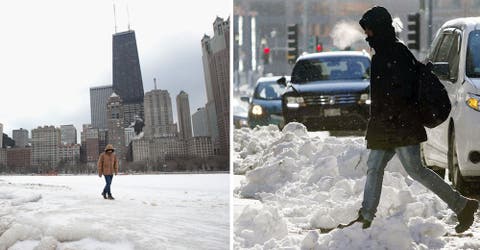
(107,162)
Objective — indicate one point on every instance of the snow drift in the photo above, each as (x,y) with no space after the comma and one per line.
(307,181)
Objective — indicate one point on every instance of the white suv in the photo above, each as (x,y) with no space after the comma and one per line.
(455,144)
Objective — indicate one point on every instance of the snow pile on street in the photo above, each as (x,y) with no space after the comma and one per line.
(150,212)
(307,181)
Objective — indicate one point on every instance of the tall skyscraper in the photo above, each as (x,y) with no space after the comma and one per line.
(116,132)
(127,77)
(20,136)
(200,123)
(68,134)
(216,61)
(183,113)
(98,105)
(158,114)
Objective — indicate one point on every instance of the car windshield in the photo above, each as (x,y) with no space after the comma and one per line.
(331,68)
(473,55)
(268,91)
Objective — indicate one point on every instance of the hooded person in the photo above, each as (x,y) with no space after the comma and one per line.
(107,166)
(394,126)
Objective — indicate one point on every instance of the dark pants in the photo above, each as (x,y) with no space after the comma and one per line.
(108,180)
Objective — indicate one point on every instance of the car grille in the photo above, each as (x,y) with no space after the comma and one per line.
(331,99)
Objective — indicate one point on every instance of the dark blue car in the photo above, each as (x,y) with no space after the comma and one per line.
(266,103)
(329,91)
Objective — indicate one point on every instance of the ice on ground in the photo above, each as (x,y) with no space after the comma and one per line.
(309,181)
(150,212)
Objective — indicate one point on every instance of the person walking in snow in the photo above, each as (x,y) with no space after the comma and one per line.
(394,126)
(107,166)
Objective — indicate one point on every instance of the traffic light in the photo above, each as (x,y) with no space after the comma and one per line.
(413,35)
(266,55)
(292,53)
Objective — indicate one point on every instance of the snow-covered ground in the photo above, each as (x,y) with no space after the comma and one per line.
(291,183)
(150,212)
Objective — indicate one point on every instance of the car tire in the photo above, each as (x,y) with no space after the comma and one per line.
(453,166)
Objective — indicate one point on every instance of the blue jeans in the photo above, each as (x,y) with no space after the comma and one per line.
(108,180)
(410,158)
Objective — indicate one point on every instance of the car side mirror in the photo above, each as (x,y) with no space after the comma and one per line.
(245,99)
(442,70)
(282,81)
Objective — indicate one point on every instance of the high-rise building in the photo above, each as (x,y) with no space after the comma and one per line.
(1,135)
(45,143)
(92,144)
(200,123)
(158,114)
(183,113)
(20,136)
(98,105)
(69,154)
(216,61)
(116,132)
(68,134)
(127,77)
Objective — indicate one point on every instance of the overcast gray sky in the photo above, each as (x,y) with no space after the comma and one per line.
(53,51)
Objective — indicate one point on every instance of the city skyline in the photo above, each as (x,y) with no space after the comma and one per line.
(78,51)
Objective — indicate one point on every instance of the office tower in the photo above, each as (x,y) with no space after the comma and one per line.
(183,113)
(127,77)
(158,114)
(200,123)
(20,136)
(216,61)
(116,132)
(45,143)
(98,105)
(68,134)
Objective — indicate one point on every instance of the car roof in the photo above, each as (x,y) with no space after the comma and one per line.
(334,54)
(463,22)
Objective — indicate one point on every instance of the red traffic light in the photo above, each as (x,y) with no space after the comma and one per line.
(266,50)
(319,47)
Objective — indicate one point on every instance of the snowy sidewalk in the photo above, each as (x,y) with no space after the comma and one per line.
(305,181)
(150,212)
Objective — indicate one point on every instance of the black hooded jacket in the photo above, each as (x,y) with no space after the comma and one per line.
(393,114)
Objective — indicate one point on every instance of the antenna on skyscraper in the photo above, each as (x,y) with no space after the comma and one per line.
(128,17)
(114,15)
(155,82)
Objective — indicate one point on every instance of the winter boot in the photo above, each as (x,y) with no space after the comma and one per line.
(365,223)
(110,197)
(466,216)
(104,195)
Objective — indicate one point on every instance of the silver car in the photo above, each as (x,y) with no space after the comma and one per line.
(455,144)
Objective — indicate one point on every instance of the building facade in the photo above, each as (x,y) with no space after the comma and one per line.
(3,160)
(20,136)
(127,76)
(69,154)
(116,131)
(200,147)
(200,123)
(19,160)
(68,134)
(184,118)
(216,53)
(45,143)
(158,114)
(1,135)
(98,105)
(92,144)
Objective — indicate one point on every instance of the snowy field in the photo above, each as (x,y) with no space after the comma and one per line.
(291,183)
(188,211)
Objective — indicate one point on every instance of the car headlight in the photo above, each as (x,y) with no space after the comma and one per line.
(365,98)
(295,102)
(243,123)
(472,101)
(257,110)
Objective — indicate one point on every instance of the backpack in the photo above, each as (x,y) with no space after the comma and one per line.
(433,102)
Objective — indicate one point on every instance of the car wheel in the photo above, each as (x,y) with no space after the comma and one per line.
(454,169)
